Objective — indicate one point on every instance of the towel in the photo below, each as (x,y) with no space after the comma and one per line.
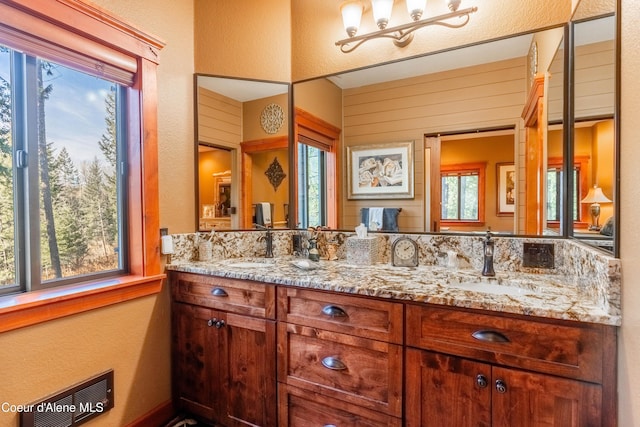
(266,213)
(375,218)
(389,218)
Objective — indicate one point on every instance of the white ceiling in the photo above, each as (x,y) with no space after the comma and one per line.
(242,90)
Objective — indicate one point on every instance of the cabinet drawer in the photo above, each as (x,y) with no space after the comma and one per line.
(355,370)
(300,408)
(363,317)
(236,296)
(560,348)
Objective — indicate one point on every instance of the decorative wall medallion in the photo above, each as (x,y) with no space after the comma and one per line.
(272,118)
(275,174)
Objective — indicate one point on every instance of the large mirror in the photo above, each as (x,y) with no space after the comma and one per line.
(242,156)
(464,114)
(595,172)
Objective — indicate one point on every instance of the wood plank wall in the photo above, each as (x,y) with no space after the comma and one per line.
(483,96)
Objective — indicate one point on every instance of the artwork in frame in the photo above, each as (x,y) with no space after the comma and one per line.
(382,171)
(506,183)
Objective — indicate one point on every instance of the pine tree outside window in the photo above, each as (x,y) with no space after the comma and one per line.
(61,180)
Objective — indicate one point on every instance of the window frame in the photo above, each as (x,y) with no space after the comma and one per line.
(478,168)
(105,44)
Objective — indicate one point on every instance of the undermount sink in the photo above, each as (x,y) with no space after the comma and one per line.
(492,288)
(247,264)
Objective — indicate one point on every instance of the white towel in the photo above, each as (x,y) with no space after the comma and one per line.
(375,218)
(266,213)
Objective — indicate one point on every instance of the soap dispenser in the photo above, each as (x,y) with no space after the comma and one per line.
(487,269)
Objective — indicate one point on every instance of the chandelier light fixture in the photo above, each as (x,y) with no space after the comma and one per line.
(401,35)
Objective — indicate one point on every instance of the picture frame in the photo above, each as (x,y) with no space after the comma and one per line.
(506,189)
(380,171)
(208,211)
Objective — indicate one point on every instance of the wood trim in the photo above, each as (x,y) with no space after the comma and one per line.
(529,113)
(434,144)
(533,116)
(88,21)
(158,416)
(30,308)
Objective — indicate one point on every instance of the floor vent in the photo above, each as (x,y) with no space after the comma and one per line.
(73,406)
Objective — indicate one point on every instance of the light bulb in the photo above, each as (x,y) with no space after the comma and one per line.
(382,12)
(416,8)
(351,16)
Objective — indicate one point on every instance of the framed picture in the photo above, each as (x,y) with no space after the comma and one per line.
(383,171)
(506,182)
(208,211)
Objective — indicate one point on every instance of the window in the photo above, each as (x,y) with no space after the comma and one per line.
(580,189)
(554,202)
(462,197)
(98,191)
(61,146)
(312,186)
(316,171)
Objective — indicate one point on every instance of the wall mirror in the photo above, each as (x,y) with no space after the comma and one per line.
(594,203)
(462,110)
(242,156)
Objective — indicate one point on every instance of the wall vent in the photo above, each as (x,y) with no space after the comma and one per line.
(73,406)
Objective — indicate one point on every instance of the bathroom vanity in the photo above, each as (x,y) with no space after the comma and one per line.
(263,342)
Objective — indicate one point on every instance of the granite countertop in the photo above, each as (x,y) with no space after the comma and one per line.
(541,295)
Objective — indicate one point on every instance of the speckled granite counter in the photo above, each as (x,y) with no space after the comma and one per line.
(557,296)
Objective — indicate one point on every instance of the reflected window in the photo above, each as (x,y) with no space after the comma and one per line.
(312,186)
(554,193)
(462,190)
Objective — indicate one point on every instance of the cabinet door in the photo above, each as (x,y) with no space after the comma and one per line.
(248,371)
(445,391)
(195,360)
(524,399)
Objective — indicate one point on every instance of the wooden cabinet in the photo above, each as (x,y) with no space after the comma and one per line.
(353,361)
(224,366)
(472,369)
(340,359)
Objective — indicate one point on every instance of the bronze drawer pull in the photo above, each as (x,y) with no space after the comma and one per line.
(489,336)
(334,311)
(219,292)
(334,364)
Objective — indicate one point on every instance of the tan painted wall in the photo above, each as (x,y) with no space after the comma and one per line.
(251,112)
(321,98)
(629,347)
(211,162)
(262,189)
(250,39)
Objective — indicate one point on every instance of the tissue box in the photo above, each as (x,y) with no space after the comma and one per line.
(364,250)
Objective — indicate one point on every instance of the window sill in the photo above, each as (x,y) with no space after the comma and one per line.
(30,308)
(462,223)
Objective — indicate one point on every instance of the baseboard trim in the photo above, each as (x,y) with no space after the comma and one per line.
(158,416)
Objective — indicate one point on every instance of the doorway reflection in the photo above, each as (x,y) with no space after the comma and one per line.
(214,184)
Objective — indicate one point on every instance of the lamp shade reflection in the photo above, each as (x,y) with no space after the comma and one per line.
(595,196)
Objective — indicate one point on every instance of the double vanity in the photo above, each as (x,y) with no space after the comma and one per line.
(287,342)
